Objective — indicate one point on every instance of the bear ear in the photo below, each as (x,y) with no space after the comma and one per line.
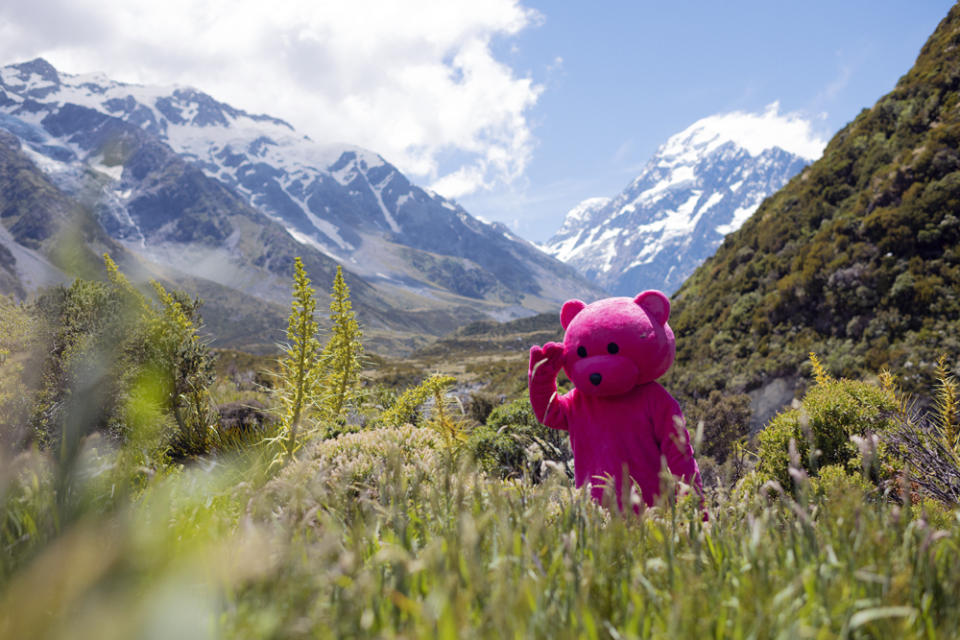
(570,309)
(655,304)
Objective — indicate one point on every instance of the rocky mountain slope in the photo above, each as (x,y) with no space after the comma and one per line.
(699,186)
(201,191)
(52,232)
(857,258)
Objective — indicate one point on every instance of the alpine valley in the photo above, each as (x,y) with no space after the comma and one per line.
(703,183)
(188,190)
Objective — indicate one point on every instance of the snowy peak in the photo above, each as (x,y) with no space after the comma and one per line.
(703,183)
(39,80)
(584,212)
(564,244)
(324,195)
(35,79)
(755,133)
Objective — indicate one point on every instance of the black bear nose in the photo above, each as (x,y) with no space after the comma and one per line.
(595,378)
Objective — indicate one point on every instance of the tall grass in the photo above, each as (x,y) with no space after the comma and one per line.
(415,545)
(388,534)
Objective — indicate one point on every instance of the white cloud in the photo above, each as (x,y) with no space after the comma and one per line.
(755,132)
(413,80)
(461,182)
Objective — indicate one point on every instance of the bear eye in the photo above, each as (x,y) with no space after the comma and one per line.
(582,351)
(612,348)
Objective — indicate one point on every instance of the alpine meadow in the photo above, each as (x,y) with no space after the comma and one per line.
(256,386)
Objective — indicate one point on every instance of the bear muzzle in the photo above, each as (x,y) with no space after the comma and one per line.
(603,375)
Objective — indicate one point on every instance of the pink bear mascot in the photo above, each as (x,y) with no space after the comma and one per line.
(619,419)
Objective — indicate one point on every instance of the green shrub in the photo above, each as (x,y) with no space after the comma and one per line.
(513,443)
(185,366)
(334,472)
(832,412)
(111,353)
(834,481)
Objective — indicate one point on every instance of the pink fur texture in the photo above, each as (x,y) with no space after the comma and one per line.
(618,417)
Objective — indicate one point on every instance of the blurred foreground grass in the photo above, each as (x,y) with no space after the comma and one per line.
(389,533)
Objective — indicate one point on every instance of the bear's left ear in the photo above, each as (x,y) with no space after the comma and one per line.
(655,304)
(570,309)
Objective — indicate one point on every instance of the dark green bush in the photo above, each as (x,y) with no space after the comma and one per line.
(726,419)
(513,442)
(110,352)
(481,405)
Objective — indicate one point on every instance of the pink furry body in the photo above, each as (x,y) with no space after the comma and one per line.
(619,419)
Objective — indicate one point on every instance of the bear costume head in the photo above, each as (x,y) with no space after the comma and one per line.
(615,344)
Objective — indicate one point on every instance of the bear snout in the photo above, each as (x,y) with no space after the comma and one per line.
(603,375)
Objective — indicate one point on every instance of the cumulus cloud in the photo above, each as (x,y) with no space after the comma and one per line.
(755,132)
(416,81)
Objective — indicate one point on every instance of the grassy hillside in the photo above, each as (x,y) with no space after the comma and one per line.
(857,258)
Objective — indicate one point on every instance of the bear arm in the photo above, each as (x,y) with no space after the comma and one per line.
(548,405)
(553,414)
(674,439)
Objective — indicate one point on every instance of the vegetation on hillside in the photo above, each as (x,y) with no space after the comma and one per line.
(857,258)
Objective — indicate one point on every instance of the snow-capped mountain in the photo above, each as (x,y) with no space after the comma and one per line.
(194,184)
(703,183)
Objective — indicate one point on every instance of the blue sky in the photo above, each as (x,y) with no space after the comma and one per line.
(518,109)
(632,74)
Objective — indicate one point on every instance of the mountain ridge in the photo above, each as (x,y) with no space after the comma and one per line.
(180,172)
